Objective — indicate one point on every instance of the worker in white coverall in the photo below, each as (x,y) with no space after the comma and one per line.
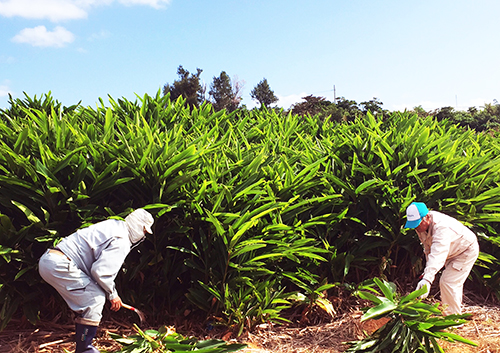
(448,243)
(83,267)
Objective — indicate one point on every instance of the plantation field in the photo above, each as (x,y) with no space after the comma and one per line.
(258,214)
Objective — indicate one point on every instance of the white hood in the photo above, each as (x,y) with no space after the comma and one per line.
(137,221)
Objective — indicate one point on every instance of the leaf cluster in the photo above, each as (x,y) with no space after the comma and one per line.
(165,340)
(263,94)
(485,119)
(187,86)
(413,326)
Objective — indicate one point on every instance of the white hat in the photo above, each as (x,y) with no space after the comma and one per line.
(137,222)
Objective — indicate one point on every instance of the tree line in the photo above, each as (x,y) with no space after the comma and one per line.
(225,93)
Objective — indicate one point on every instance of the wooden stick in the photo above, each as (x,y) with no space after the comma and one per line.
(50,343)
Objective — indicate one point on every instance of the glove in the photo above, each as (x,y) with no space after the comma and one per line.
(424,282)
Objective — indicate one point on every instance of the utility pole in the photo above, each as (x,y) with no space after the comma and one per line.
(334,95)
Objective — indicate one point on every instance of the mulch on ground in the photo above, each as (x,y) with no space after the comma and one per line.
(329,337)
(322,336)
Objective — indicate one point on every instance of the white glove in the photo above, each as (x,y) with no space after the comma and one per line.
(424,282)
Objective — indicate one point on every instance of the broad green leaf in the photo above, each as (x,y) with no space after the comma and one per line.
(387,288)
(381,309)
(369,296)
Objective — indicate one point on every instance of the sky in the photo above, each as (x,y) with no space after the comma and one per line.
(404,53)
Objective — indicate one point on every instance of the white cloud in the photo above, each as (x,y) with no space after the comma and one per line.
(62,10)
(40,37)
(4,90)
(99,35)
(7,59)
(53,10)
(426,105)
(287,101)
(477,102)
(153,3)
(89,3)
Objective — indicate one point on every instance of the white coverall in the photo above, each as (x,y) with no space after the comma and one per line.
(84,275)
(449,243)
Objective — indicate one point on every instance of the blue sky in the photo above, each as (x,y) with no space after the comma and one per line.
(405,53)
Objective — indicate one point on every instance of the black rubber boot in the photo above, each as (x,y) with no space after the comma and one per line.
(83,337)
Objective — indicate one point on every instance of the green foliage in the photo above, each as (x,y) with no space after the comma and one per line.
(18,285)
(223,93)
(413,326)
(263,94)
(373,106)
(163,341)
(317,106)
(349,108)
(485,119)
(188,87)
(251,207)
(315,297)
(341,110)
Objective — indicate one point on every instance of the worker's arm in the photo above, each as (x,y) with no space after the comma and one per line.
(440,248)
(106,267)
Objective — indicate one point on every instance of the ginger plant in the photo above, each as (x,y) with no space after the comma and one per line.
(166,340)
(413,326)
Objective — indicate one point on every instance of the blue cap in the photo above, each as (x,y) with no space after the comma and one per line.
(414,214)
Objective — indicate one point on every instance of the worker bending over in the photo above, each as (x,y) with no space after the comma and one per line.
(448,243)
(83,267)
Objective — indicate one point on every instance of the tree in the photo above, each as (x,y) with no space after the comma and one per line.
(445,113)
(312,106)
(487,118)
(187,86)
(348,108)
(374,106)
(420,111)
(237,86)
(318,106)
(224,94)
(263,94)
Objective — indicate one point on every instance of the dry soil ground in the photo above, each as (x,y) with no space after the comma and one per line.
(329,337)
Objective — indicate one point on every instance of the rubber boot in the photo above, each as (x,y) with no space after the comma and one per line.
(83,337)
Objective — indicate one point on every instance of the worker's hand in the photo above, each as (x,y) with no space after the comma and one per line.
(116,303)
(422,283)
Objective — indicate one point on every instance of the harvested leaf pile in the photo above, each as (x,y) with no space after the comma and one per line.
(49,337)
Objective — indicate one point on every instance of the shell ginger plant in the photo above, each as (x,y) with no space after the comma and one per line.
(166,340)
(414,326)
